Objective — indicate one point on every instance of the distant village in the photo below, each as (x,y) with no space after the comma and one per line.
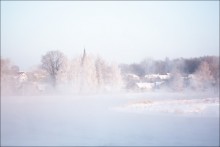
(149,82)
(152,81)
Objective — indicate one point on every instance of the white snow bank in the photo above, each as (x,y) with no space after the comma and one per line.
(208,107)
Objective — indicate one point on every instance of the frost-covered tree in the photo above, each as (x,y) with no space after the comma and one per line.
(9,77)
(116,77)
(202,77)
(88,80)
(53,62)
(100,68)
(81,73)
(85,73)
(176,81)
(108,75)
(74,74)
(5,75)
(5,67)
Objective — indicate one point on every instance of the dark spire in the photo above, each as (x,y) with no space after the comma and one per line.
(84,56)
(84,53)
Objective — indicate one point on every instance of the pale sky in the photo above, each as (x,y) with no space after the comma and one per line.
(119,31)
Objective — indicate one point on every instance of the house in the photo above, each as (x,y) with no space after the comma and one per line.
(157,77)
(165,76)
(152,76)
(145,85)
(133,77)
(21,77)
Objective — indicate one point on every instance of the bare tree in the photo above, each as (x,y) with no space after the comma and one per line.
(53,62)
(88,79)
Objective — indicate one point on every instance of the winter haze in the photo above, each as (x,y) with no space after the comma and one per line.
(123,32)
(108,73)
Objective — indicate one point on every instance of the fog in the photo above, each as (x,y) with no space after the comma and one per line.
(110,119)
(87,101)
(109,73)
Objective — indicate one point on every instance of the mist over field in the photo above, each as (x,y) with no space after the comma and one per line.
(88,101)
(111,119)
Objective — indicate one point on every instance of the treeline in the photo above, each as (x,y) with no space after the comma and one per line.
(88,73)
(85,73)
(183,65)
(203,70)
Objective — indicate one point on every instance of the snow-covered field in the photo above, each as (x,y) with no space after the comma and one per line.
(145,119)
(206,107)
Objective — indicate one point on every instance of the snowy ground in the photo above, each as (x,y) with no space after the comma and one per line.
(206,107)
(145,119)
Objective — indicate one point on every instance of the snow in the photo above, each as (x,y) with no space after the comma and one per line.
(155,76)
(129,119)
(198,107)
(145,85)
(133,76)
